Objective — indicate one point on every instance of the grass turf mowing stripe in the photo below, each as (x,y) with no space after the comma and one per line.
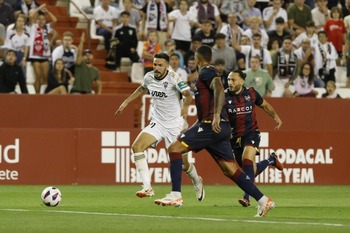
(177,217)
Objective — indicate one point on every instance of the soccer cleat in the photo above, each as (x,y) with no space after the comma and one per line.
(263,210)
(169,200)
(145,193)
(198,188)
(244,202)
(278,164)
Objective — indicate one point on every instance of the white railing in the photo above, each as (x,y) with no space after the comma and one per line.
(88,19)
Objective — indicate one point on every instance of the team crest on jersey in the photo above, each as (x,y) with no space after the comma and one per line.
(230,101)
(165,84)
(247,97)
(130,32)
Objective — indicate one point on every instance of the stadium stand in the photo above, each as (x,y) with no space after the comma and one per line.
(76,16)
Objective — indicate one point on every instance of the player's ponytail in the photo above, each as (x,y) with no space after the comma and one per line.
(240,73)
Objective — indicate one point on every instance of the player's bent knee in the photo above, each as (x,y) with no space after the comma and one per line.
(228,168)
(137,147)
(228,173)
(177,147)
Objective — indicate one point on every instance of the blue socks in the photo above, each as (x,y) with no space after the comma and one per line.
(176,171)
(261,166)
(246,184)
(248,169)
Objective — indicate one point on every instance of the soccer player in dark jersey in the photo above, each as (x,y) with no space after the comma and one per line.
(241,104)
(211,132)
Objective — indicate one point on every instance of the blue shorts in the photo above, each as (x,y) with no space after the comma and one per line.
(201,136)
(238,144)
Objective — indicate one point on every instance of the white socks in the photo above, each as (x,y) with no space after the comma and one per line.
(176,194)
(262,201)
(142,167)
(192,173)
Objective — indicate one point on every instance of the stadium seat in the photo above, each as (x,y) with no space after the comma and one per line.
(137,72)
(30,88)
(30,73)
(320,91)
(340,76)
(93,35)
(342,91)
(43,88)
(30,78)
(126,64)
(140,48)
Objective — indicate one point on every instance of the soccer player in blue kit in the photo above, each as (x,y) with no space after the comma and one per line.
(211,132)
(241,105)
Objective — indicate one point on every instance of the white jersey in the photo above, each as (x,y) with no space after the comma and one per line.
(107,17)
(299,39)
(250,51)
(182,28)
(17,42)
(69,56)
(268,11)
(165,94)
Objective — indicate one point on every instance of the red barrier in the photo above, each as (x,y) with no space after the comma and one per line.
(312,146)
(297,114)
(71,111)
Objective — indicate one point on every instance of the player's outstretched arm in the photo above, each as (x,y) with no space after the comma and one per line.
(219,100)
(267,107)
(138,92)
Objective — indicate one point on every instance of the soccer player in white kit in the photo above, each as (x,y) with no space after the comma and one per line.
(168,120)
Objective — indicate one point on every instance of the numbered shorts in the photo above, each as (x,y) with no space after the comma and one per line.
(201,136)
(238,144)
(161,133)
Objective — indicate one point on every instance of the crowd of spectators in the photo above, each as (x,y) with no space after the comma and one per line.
(28,37)
(283,37)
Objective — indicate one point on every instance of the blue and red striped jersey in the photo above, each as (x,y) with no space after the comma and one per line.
(241,110)
(204,96)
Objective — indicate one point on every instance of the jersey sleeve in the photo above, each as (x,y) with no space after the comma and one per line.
(258,99)
(181,86)
(96,14)
(208,75)
(145,81)
(173,15)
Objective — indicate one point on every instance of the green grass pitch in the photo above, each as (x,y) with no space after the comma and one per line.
(311,209)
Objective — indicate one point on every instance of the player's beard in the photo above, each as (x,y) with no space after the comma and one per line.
(159,75)
(234,89)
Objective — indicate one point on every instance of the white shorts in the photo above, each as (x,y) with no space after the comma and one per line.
(161,133)
(279,87)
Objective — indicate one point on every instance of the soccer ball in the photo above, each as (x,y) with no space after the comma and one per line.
(51,196)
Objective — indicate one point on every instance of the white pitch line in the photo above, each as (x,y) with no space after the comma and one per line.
(179,217)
